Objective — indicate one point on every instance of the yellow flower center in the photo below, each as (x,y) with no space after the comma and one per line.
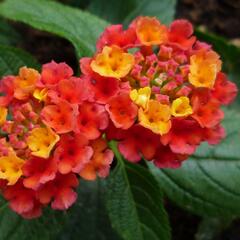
(181,107)
(141,97)
(40,94)
(11,168)
(204,68)
(156,117)
(41,141)
(113,62)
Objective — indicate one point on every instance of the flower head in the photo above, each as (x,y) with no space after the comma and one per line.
(167,87)
(150,31)
(41,141)
(11,168)
(25,83)
(156,117)
(112,62)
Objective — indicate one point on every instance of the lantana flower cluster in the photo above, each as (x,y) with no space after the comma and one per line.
(53,137)
(154,89)
(162,89)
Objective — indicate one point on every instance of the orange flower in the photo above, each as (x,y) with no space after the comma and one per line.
(61,117)
(99,163)
(150,31)
(113,62)
(3,115)
(25,83)
(204,66)
(122,111)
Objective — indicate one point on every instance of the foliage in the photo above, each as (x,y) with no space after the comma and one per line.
(131,199)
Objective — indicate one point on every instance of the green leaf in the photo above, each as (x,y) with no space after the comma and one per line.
(80,28)
(134,202)
(11,59)
(208,183)
(13,227)
(126,10)
(85,220)
(8,35)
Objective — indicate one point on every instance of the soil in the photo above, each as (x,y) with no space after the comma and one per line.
(219,16)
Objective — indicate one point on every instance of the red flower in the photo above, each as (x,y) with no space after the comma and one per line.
(100,161)
(39,171)
(22,200)
(122,111)
(184,136)
(59,191)
(53,72)
(224,91)
(74,90)
(214,135)
(61,117)
(6,90)
(206,109)
(165,158)
(138,141)
(115,35)
(92,118)
(72,153)
(103,88)
(180,33)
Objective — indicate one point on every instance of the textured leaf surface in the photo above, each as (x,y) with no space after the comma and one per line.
(12,58)
(208,183)
(126,10)
(85,220)
(80,28)
(134,203)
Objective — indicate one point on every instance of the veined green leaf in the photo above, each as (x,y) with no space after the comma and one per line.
(134,202)
(87,220)
(208,183)
(80,28)
(126,10)
(11,59)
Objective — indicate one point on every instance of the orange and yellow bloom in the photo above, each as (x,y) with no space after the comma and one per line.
(154,89)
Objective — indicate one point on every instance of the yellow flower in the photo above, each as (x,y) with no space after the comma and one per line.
(141,96)
(113,62)
(150,31)
(181,107)
(40,94)
(41,141)
(11,168)
(204,67)
(3,115)
(156,117)
(25,83)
